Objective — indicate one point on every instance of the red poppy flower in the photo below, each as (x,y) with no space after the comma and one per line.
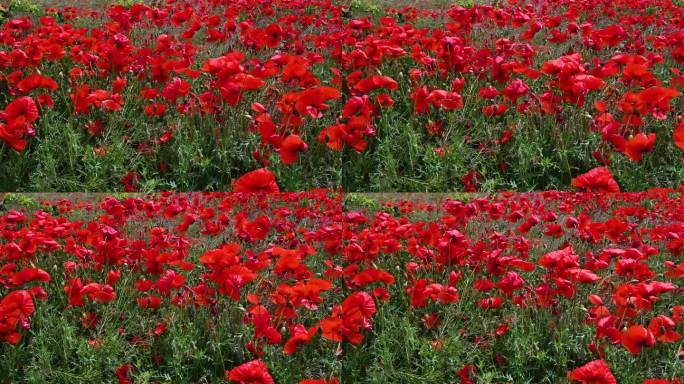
(419,97)
(225,256)
(95,128)
(471,181)
(374,82)
(517,88)
(290,148)
(17,304)
(663,329)
(371,275)
(176,88)
(253,372)
(155,109)
(331,329)
(99,293)
(312,101)
(637,337)
(124,373)
(656,100)
(560,260)
(29,275)
(594,372)
(638,145)
(301,336)
(359,305)
(19,114)
(494,110)
(334,136)
(490,303)
(467,374)
(446,100)
(150,301)
(15,308)
(510,282)
(599,179)
(678,135)
(273,35)
(130,181)
(119,84)
(259,228)
(36,81)
(488,92)
(261,181)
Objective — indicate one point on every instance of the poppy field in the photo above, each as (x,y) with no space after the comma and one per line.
(322,287)
(359,95)
(342,191)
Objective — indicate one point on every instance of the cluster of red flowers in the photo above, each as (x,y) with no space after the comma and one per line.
(598,372)
(299,284)
(19,116)
(298,68)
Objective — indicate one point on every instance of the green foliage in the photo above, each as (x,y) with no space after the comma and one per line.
(129,3)
(365,7)
(463,3)
(462,196)
(14,8)
(19,200)
(360,201)
(24,6)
